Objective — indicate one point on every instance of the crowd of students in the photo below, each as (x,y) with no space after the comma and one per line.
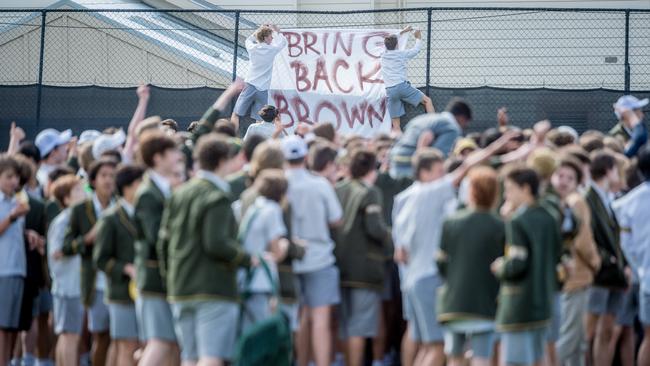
(158,246)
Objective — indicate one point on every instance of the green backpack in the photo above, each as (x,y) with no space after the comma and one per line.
(268,342)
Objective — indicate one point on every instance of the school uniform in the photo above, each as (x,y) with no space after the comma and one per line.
(445,130)
(13,266)
(467,300)
(314,205)
(363,244)
(632,212)
(198,245)
(113,250)
(258,80)
(66,279)
(287,279)
(398,89)
(528,282)
(154,314)
(83,217)
(419,227)
(606,294)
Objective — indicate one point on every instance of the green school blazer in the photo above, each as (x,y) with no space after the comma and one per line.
(113,250)
(82,220)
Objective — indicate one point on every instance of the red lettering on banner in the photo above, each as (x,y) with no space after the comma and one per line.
(283,108)
(339,40)
(301,108)
(335,75)
(321,74)
(357,113)
(325,37)
(330,106)
(366,78)
(301,71)
(376,42)
(309,40)
(373,113)
(293,43)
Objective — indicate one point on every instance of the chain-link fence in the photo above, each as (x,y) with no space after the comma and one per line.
(77,67)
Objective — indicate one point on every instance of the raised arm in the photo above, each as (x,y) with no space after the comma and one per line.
(206,123)
(139,114)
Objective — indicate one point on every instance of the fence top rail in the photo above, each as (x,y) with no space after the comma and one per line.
(369,11)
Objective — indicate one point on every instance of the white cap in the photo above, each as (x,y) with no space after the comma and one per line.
(105,143)
(294,147)
(88,136)
(49,139)
(630,102)
(569,130)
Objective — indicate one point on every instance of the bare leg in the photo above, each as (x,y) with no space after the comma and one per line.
(379,342)
(303,343)
(157,352)
(44,339)
(409,349)
(644,351)
(125,351)
(354,351)
(605,341)
(477,361)
(99,350)
(321,334)
(627,346)
(551,354)
(591,320)
(431,354)
(396,124)
(210,361)
(428,104)
(7,342)
(67,349)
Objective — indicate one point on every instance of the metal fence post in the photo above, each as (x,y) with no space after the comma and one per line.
(428,71)
(627,52)
(235,47)
(39,94)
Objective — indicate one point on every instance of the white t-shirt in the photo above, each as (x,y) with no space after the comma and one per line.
(418,225)
(263,223)
(393,64)
(65,271)
(314,205)
(261,60)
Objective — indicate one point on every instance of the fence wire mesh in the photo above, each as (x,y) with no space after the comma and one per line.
(568,64)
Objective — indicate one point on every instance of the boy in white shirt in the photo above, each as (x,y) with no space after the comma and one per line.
(393,71)
(262,49)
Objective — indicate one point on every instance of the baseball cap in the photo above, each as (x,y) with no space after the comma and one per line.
(294,147)
(106,142)
(49,139)
(630,102)
(88,136)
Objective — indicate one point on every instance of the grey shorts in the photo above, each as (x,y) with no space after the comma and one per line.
(523,348)
(256,309)
(319,288)
(155,320)
(206,328)
(402,92)
(291,310)
(481,344)
(553,330)
(43,302)
(422,311)
(644,308)
(251,99)
(11,288)
(604,301)
(98,315)
(124,325)
(68,315)
(629,307)
(359,313)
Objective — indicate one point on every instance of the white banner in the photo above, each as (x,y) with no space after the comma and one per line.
(328,75)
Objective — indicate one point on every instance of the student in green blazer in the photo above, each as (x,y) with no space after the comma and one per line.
(607,293)
(79,240)
(161,155)
(362,246)
(199,256)
(113,254)
(467,301)
(527,271)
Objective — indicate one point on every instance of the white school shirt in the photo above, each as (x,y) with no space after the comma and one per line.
(393,64)
(261,57)
(65,271)
(314,205)
(13,260)
(633,214)
(419,225)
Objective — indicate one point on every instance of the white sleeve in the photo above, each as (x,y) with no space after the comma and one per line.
(251,42)
(632,253)
(275,227)
(439,193)
(410,53)
(280,44)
